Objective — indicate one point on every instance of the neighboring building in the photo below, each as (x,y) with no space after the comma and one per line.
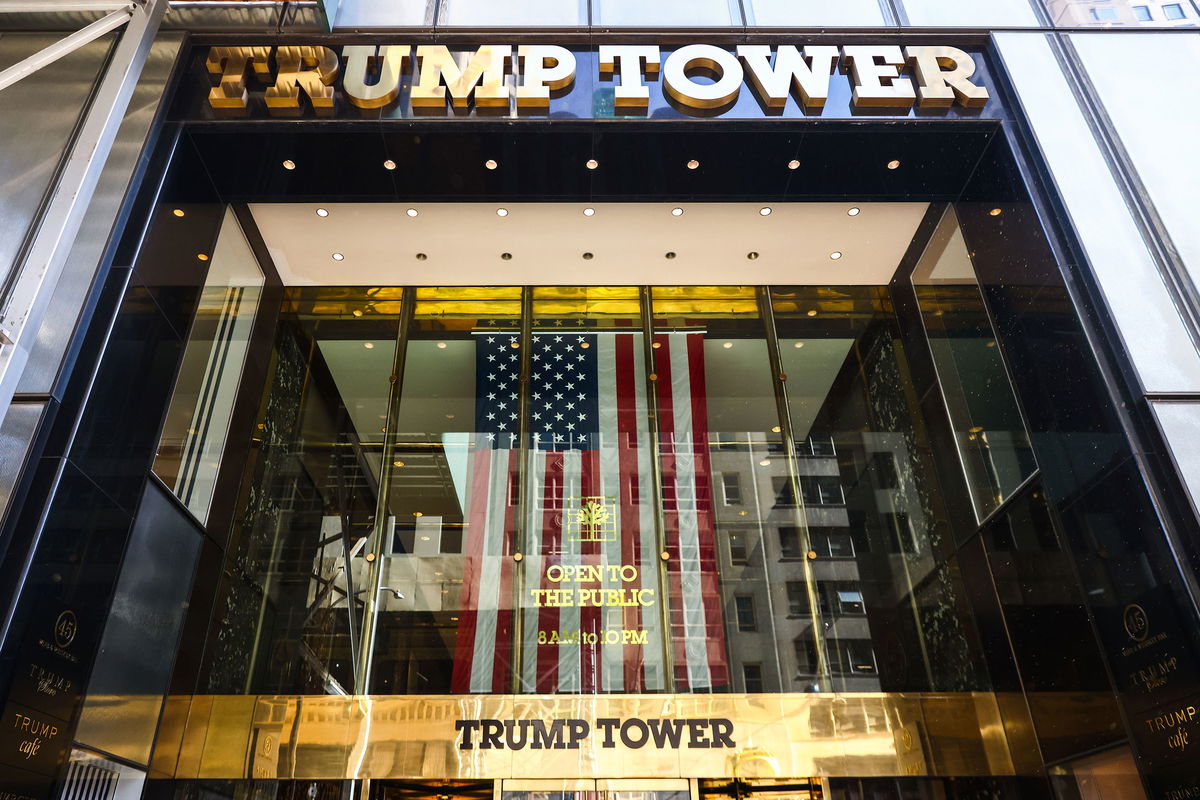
(473,400)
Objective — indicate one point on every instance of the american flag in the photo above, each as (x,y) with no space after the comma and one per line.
(589,443)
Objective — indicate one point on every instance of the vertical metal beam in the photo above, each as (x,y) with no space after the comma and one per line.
(64,46)
(526,498)
(38,274)
(375,548)
(660,526)
(778,380)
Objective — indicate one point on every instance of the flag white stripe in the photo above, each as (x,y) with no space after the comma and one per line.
(612,655)
(647,532)
(695,639)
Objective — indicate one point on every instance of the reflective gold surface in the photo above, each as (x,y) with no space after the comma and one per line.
(310,70)
(408,736)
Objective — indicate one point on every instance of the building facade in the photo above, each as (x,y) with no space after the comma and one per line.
(457,399)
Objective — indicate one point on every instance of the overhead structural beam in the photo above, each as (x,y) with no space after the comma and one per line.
(65,46)
(23,306)
(34,7)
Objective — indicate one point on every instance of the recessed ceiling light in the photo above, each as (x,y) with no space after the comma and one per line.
(753,254)
(693,164)
(766,462)
(793,164)
(369,345)
(441,345)
(506,256)
(765,211)
(585,345)
(893,164)
(421,256)
(587,256)
(588,212)
(670,254)
(491,163)
(501,212)
(776,429)
(676,212)
(656,345)
(835,255)
(798,345)
(322,212)
(812,312)
(727,345)
(592,163)
(418,514)
(397,463)
(412,212)
(202,256)
(178,212)
(389,164)
(357,312)
(338,257)
(289,164)
(854,211)
(995,212)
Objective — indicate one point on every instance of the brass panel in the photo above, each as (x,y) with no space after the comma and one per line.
(407,736)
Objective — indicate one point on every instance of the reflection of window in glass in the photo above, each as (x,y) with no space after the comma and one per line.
(821,490)
(752,678)
(806,655)
(1173,11)
(850,601)
(840,598)
(1104,14)
(197,425)
(852,657)
(488,13)
(789,541)
(1142,13)
(797,599)
(784,494)
(900,532)
(739,547)
(816,13)
(831,545)
(665,13)
(743,604)
(989,433)
(731,488)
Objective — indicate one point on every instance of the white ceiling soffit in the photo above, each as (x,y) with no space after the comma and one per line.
(463,243)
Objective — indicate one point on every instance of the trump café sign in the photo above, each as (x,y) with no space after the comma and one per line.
(618,80)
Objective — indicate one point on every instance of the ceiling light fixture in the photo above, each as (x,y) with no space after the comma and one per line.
(289,164)
(752,255)
(670,254)
(441,345)
(835,255)
(727,345)
(506,256)
(501,212)
(592,163)
(676,212)
(389,164)
(369,345)
(178,212)
(854,211)
(765,211)
(587,256)
(357,312)
(397,463)
(995,212)
(421,256)
(812,312)
(793,164)
(412,212)
(589,212)
(491,163)
(338,257)
(766,462)
(322,212)
(798,345)
(693,164)
(202,256)
(893,164)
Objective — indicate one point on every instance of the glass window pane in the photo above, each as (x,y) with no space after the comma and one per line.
(1123,13)
(970,13)
(383,13)
(664,13)
(197,425)
(810,13)
(989,433)
(487,13)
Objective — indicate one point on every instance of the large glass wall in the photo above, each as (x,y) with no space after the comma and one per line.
(590,490)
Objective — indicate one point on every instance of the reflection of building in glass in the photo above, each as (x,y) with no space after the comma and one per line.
(1119,13)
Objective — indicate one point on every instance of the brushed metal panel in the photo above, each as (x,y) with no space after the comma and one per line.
(54,336)
(16,433)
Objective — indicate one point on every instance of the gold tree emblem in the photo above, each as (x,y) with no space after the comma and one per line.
(595,518)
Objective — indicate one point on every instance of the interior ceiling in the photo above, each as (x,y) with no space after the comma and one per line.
(463,243)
